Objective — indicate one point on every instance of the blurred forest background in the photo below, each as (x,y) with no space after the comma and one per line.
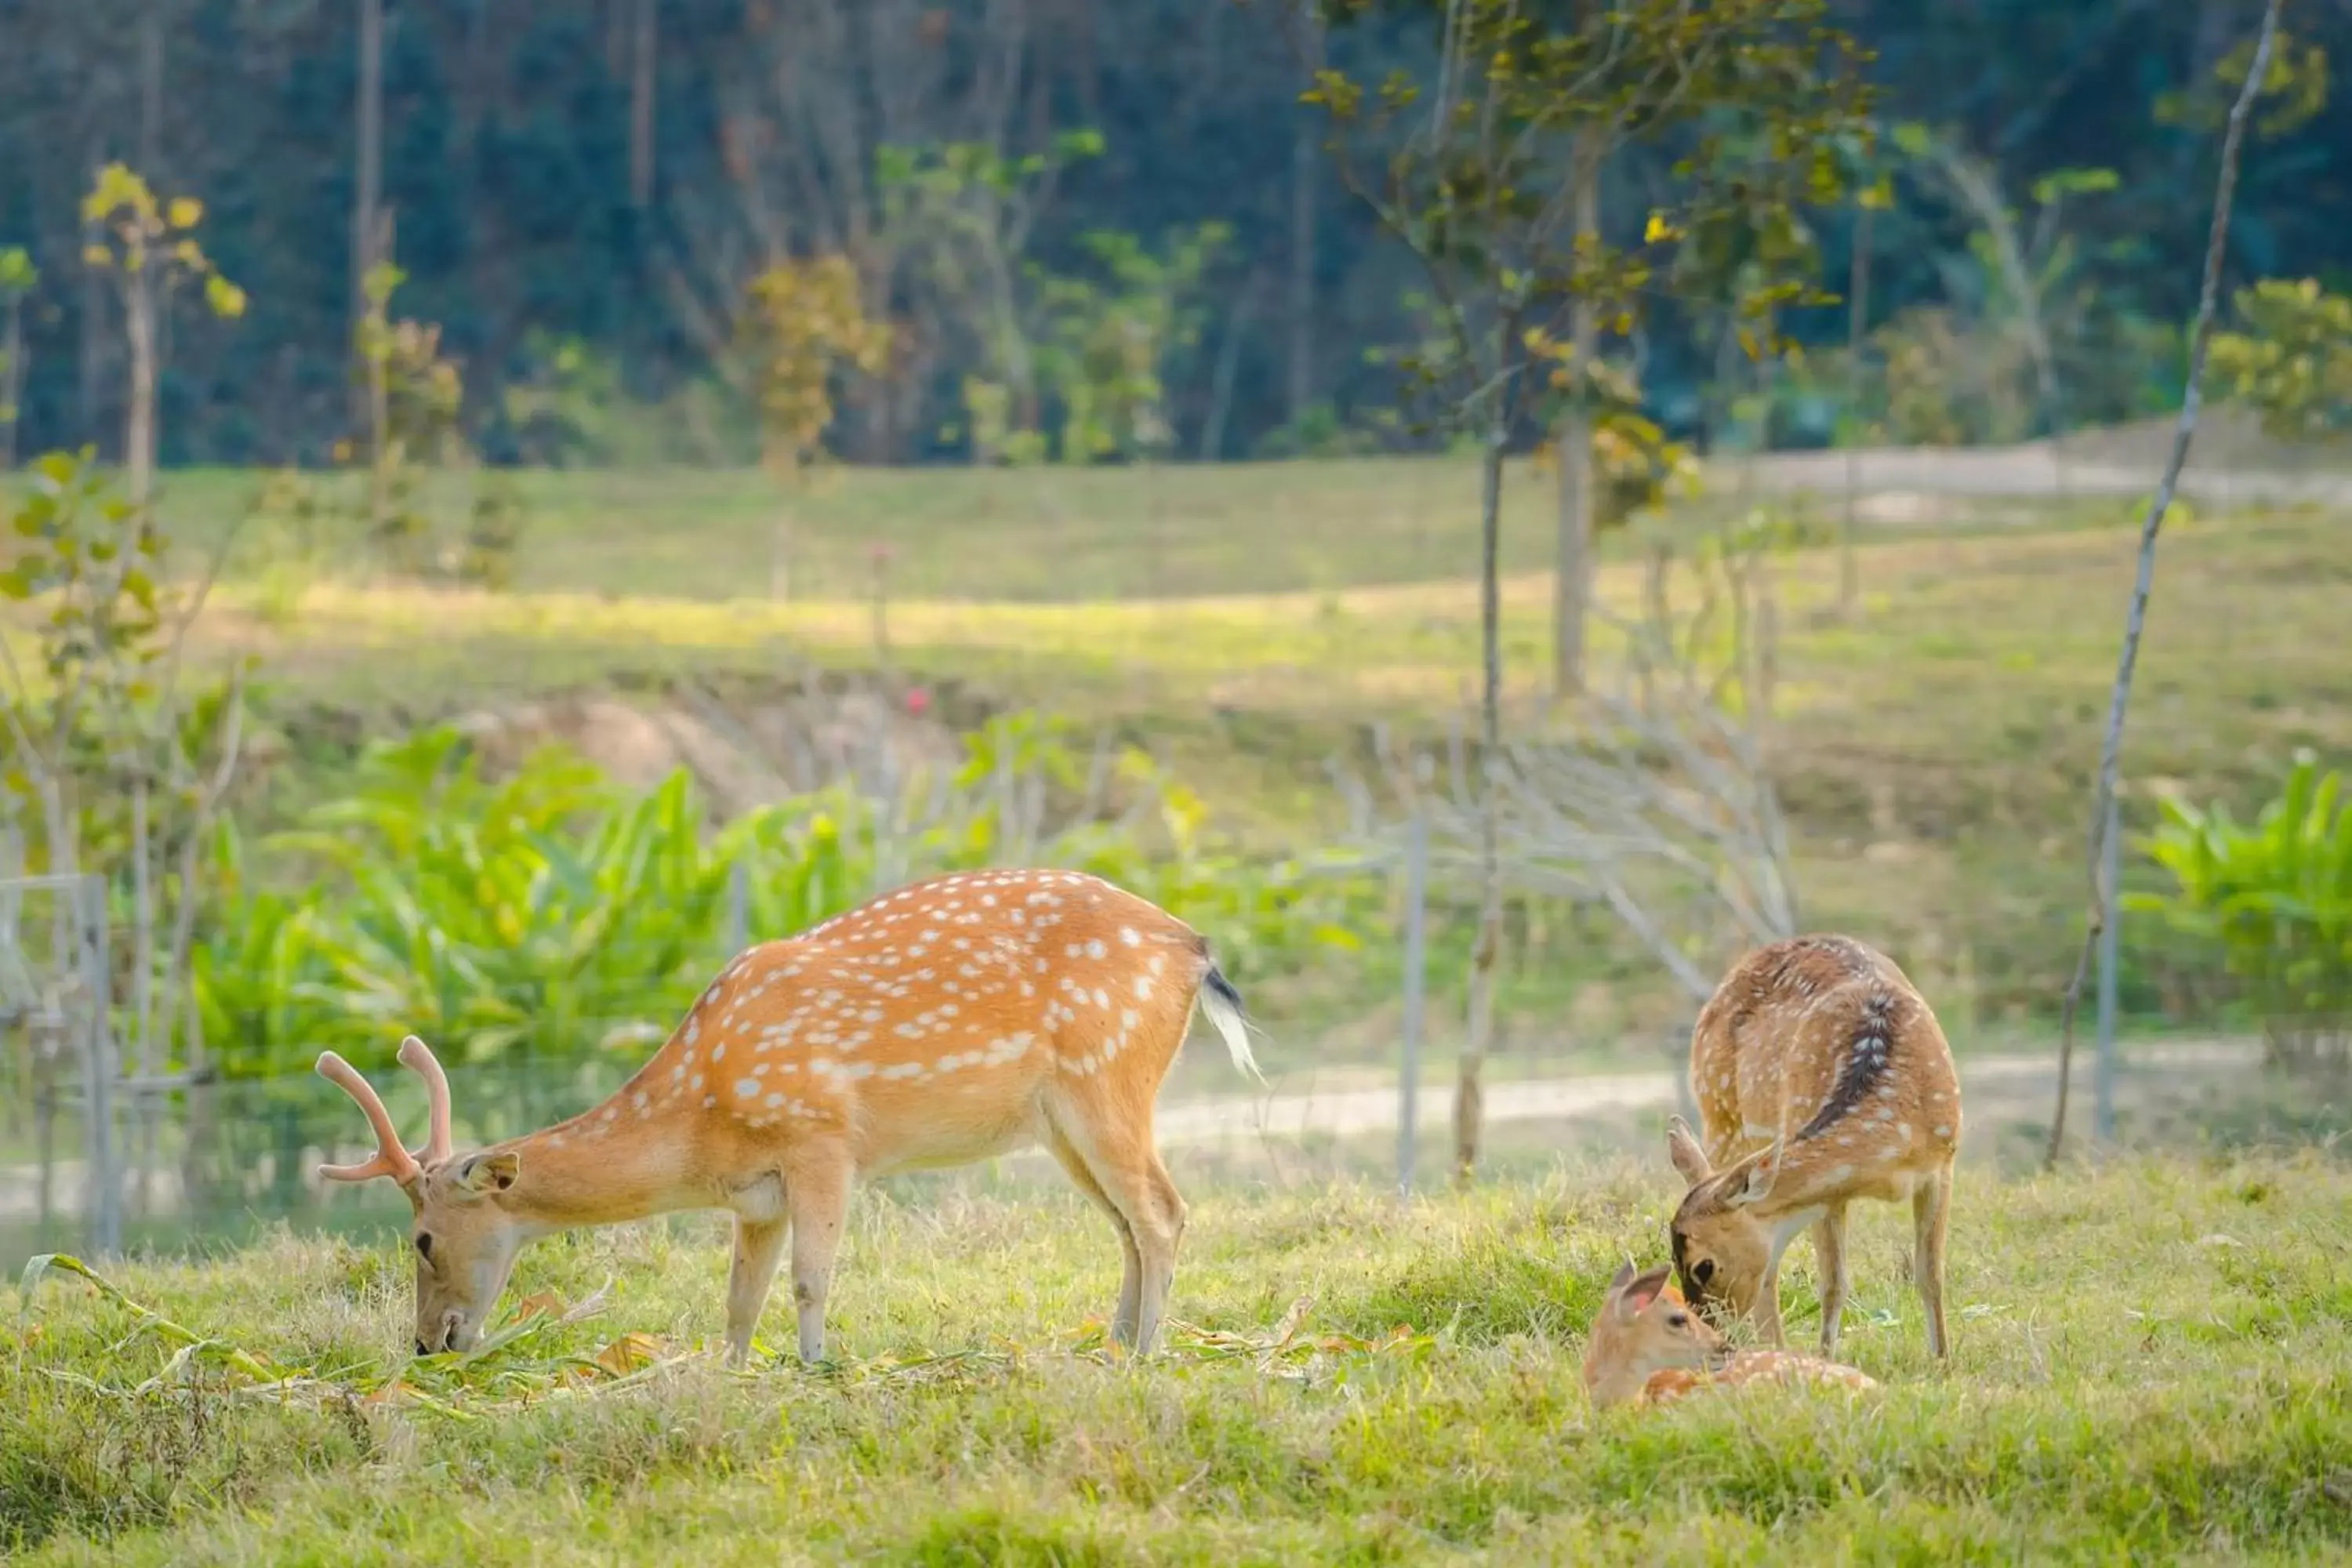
(578,189)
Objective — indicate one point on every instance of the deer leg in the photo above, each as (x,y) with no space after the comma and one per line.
(1766,1312)
(1173,1214)
(817,1194)
(758,1245)
(1115,1145)
(1931,1206)
(1131,1283)
(1829,1258)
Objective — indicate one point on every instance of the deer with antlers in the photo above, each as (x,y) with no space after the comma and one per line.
(1827,1036)
(957,1018)
(1646,1345)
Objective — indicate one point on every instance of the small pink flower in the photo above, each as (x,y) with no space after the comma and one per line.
(919,701)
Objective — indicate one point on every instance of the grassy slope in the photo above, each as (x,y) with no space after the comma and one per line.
(1246,621)
(2153,1361)
(1937,749)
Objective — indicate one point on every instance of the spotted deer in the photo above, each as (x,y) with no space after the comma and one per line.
(954,1019)
(1647,1346)
(1821,1077)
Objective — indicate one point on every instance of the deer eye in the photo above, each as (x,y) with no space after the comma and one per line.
(425,1245)
(1703,1270)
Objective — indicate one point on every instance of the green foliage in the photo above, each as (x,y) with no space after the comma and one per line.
(1475,169)
(2271,899)
(2294,90)
(552,912)
(148,235)
(571,407)
(804,323)
(2293,365)
(963,213)
(85,717)
(1319,431)
(1106,345)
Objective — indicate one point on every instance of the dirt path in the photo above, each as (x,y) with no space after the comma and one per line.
(1358,1111)
(2034,471)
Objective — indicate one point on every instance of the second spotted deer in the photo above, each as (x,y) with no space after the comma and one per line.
(1821,1077)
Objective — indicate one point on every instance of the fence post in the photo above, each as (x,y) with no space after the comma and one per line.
(1416,919)
(738,907)
(2103,1104)
(105,1190)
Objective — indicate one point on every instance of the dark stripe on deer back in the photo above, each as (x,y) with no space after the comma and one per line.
(1869,1057)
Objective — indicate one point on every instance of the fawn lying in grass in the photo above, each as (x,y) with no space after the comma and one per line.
(1647,1345)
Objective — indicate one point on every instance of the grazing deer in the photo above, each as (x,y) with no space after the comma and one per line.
(1646,1345)
(960,1017)
(1826,1035)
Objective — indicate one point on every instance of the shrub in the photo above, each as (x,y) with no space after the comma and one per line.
(2272,900)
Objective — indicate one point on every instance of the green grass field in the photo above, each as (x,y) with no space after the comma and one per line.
(2153,1357)
(2153,1362)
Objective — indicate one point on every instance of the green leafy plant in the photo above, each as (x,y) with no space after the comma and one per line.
(2293,365)
(2272,900)
(1107,344)
(805,325)
(552,913)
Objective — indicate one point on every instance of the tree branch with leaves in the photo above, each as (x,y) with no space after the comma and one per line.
(804,325)
(1481,166)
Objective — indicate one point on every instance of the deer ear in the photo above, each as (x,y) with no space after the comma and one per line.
(1629,1300)
(486,1173)
(1759,1182)
(1683,1150)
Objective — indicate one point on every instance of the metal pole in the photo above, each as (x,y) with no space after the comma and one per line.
(1416,919)
(2103,1109)
(97,1072)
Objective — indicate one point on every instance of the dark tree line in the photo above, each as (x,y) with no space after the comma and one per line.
(611,171)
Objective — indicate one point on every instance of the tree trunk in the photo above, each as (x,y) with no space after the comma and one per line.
(1572,576)
(12,384)
(367,176)
(139,424)
(1857,328)
(91,365)
(1469,1097)
(779,553)
(1304,167)
(1228,366)
(641,105)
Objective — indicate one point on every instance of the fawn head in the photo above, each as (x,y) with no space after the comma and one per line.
(1723,1247)
(465,1240)
(1644,1328)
